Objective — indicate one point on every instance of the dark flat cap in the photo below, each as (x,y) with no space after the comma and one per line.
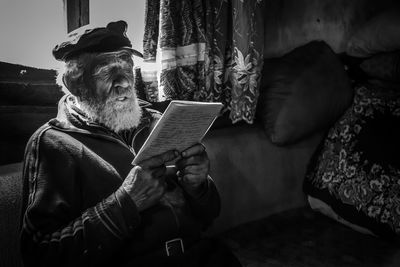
(88,39)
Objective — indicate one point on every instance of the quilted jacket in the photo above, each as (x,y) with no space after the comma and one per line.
(75,212)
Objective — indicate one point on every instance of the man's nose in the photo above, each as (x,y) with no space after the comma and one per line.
(121,83)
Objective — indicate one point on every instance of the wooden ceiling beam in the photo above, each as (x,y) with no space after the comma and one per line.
(76,13)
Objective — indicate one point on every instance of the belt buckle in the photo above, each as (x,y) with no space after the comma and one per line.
(174,246)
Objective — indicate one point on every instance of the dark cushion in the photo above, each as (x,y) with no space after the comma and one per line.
(356,170)
(380,34)
(384,84)
(303,92)
(385,66)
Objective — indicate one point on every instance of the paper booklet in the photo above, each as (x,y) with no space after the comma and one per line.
(183,124)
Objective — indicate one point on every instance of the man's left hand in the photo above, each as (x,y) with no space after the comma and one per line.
(193,168)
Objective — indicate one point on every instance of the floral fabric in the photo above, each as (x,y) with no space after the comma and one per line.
(358,164)
(206,50)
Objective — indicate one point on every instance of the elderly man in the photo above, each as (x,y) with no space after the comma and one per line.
(84,203)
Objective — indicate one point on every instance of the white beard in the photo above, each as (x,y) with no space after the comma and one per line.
(114,114)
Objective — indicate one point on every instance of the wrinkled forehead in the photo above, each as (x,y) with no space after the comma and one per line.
(109,57)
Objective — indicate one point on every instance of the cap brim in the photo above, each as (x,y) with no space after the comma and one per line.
(134,52)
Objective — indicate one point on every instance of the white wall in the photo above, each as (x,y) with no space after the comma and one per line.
(132,11)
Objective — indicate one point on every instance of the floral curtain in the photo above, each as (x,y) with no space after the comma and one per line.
(205,50)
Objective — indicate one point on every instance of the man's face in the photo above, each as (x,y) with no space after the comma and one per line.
(112,100)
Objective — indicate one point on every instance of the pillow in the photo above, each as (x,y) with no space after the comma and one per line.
(394,86)
(302,92)
(380,34)
(355,174)
(385,66)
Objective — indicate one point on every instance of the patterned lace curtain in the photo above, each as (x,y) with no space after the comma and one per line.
(205,50)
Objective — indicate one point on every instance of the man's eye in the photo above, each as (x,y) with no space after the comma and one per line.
(101,65)
(100,69)
(126,58)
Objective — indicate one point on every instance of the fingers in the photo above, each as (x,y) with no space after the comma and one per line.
(159,172)
(192,169)
(138,172)
(201,160)
(194,166)
(194,172)
(170,155)
(193,150)
(194,160)
(171,171)
(153,180)
(159,160)
(191,179)
(146,186)
(158,186)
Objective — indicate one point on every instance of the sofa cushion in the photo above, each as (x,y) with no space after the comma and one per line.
(356,171)
(379,34)
(303,92)
(385,66)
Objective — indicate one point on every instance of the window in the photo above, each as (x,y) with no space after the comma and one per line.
(30,29)
(132,11)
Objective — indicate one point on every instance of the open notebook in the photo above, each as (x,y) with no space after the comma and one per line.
(183,124)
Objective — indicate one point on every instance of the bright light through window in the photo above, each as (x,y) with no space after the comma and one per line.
(30,28)
(132,11)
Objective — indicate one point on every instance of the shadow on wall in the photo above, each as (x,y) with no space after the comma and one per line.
(292,23)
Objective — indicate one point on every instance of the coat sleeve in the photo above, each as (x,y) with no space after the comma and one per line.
(55,231)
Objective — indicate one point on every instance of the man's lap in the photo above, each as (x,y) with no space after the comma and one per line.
(207,252)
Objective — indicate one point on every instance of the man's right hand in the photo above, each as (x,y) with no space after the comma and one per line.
(145,182)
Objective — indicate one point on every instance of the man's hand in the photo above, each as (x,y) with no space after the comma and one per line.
(193,168)
(145,182)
